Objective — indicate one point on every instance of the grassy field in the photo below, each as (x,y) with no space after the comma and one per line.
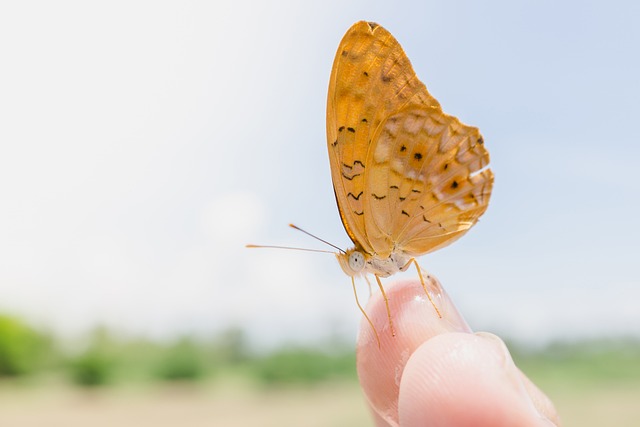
(593,383)
(600,405)
(218,404)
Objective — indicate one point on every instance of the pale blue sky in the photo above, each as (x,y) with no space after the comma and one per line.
(142,144)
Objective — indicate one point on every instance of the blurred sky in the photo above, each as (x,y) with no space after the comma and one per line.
(142,144)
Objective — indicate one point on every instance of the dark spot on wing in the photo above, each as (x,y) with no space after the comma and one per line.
(341,128)
(375,196)
(454,184)
(352,130)
(417,156)
(405,213)
(349,178)
(355,197)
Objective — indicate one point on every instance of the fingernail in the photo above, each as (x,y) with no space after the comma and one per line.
(511,371)
(505,361)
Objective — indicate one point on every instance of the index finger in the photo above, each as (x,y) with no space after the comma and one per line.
(415,321)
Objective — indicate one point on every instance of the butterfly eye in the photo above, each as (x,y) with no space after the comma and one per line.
(356,261)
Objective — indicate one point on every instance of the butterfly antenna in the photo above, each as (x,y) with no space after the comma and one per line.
(317,238)
(288,247)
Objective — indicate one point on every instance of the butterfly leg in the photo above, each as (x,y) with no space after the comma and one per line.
(368,284)
(353,284)
(386,303)
(424,286)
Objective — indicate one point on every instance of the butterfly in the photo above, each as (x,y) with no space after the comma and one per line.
(408,178)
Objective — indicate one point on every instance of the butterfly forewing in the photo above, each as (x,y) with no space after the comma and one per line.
(405,174)
(371,78)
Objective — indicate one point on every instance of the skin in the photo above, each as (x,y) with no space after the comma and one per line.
(437,372)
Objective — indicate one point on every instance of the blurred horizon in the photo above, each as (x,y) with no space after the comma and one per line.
(108,379)
(143,144)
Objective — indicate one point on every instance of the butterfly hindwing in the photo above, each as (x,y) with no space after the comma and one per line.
(426,180)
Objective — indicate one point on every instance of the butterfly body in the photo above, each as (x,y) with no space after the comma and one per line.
(355,262)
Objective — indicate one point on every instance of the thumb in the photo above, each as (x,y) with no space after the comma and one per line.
(461,379)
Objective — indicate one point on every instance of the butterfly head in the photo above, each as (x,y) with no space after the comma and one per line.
(353,261)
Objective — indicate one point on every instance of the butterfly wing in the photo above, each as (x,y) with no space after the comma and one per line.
(389,142)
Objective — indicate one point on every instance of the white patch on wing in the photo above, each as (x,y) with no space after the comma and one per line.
(383,148)
(432,126)
(414,123)
(398,166)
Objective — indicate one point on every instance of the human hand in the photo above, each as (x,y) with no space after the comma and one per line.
(437,372)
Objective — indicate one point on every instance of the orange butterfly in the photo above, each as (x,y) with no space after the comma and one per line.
(408,178)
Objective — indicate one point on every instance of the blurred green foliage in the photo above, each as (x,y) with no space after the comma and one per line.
(107,359)
(231,346)
(184,360)
(23,350)
(305,365)
(602,361)
(93,367)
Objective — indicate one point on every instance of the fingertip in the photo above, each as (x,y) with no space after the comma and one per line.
(415,321)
